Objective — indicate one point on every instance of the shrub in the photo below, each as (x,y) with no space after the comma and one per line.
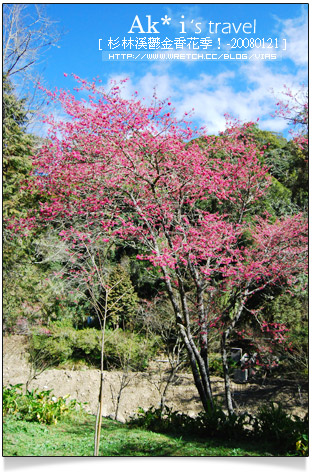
(10,399)
(282,432)
(281,429)
(165,420)
(214,423)
(36,405)
(215,365)
(224,425)
(54,347)
(122,348)
(87,345)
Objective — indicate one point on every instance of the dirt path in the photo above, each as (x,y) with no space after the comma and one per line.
(142,388)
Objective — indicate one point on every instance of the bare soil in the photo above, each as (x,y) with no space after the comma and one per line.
(143,389)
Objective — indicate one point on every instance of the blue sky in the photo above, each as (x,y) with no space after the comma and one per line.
(244,89)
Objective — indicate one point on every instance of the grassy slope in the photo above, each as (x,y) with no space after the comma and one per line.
(75,437)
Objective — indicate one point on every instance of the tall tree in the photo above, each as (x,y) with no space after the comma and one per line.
(28,34)
(17,147)
(122,171)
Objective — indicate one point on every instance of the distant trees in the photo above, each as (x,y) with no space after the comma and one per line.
(293,108)
(121,172)
(288,165)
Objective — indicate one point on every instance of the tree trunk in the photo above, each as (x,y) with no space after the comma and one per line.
(199,371)
(198,361)
(225,364)
(226,333)
(102,376)
(98,417)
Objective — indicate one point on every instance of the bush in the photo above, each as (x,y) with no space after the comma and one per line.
(165,421)
(214,423)
(56,347)
(36,405)
(87,344)
(215,365)
(224,425)
(282,432)
(122,348)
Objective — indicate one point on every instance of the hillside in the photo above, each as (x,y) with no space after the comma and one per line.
(142,388)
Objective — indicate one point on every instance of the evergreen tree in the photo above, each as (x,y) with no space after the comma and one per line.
(122,299)
(20,278)
(17,147)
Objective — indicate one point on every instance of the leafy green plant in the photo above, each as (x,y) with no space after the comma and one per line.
(302,445)
(36,405)
(280,428)
(164,420)
(150,419)
(272,425)
(214,423)
(10,398)
(57,348)
(224,425)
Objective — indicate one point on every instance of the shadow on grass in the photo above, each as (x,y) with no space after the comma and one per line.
(120,439)
(139,449)
(75,437)
(86,424)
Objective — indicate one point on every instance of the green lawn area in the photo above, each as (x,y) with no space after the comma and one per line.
(75,437)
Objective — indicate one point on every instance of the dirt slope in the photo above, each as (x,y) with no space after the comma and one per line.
(142,388)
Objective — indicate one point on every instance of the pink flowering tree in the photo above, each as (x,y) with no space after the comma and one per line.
(294,108)
(276,257)
(118,171)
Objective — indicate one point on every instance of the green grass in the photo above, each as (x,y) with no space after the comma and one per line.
(75,437)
